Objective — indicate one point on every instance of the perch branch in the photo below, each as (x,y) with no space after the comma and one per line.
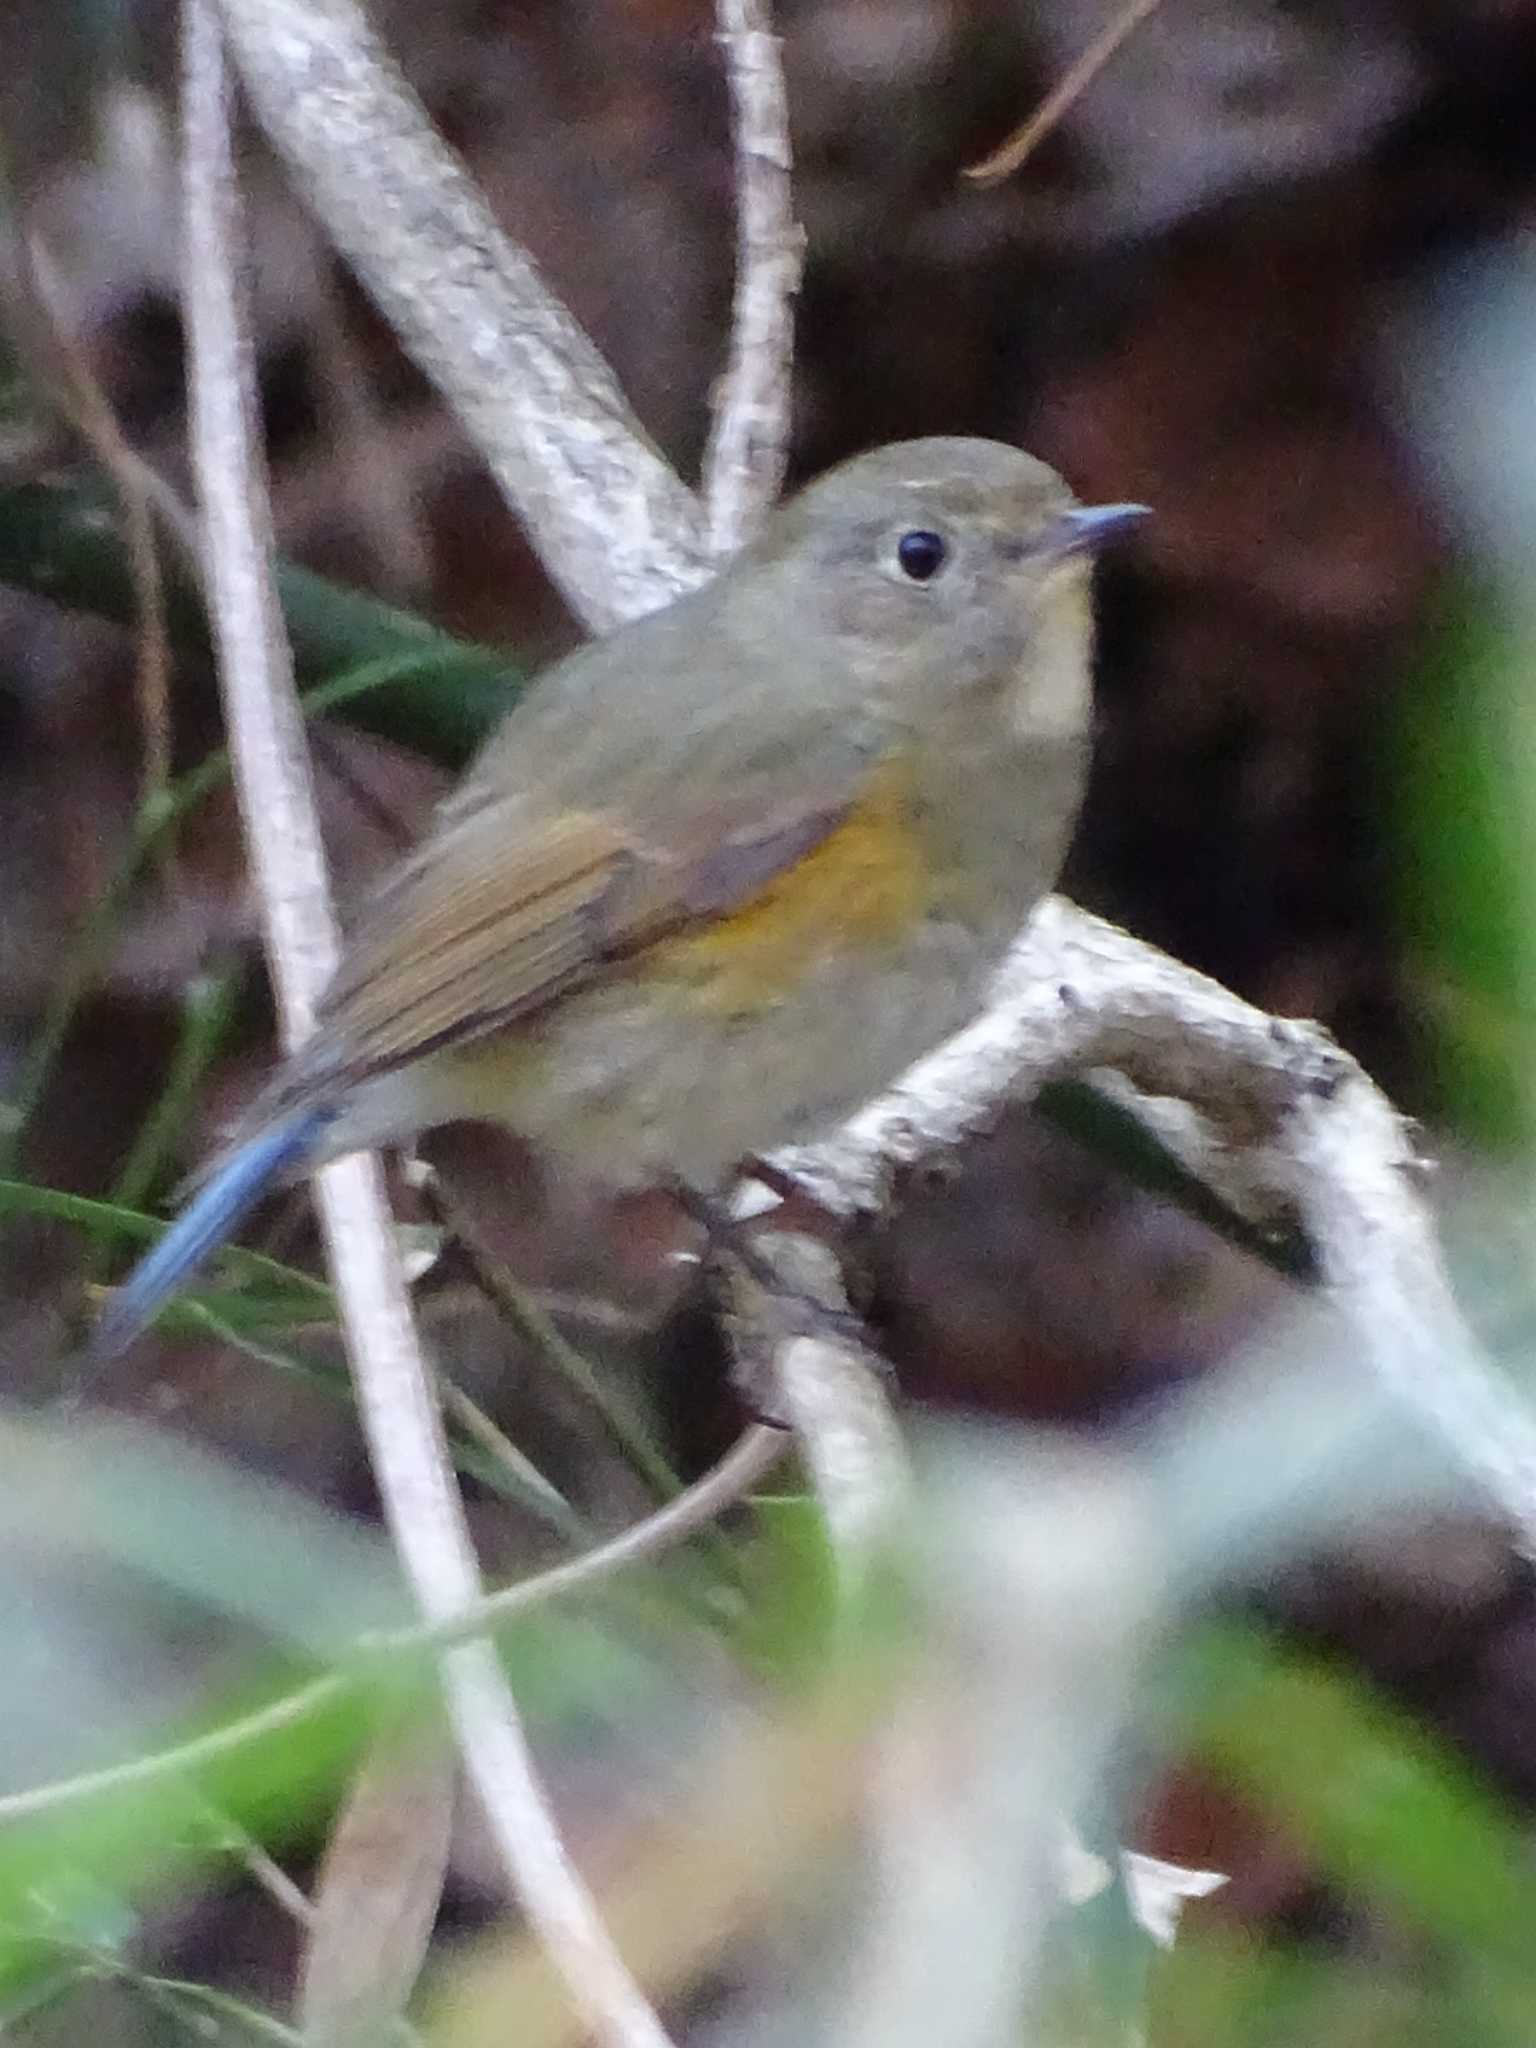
(1270,1112)
(789,1324)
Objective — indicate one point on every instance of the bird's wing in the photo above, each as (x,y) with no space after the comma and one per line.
(501,912)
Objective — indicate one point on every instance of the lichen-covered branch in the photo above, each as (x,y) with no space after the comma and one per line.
(1269,1112)
(613,524)
(799,1357)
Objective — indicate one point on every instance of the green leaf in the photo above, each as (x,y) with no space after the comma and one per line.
(1383,1808)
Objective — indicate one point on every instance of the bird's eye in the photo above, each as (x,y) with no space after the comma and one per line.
(922,555)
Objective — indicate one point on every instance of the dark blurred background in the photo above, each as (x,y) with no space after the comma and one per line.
(1269,276)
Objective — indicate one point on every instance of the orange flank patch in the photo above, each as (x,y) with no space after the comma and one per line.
(864,886)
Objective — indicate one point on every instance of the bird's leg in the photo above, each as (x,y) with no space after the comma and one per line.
(766,1296)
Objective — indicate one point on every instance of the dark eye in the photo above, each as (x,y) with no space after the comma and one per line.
(922,555)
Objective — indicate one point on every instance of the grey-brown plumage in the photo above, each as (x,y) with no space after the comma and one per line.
(725,872)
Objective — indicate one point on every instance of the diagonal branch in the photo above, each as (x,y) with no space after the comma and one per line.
(1271,1113)
(1011,155)
(615,527)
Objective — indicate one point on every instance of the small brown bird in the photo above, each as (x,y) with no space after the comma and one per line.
(729,870)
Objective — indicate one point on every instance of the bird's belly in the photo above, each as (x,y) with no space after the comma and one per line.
(635,1085)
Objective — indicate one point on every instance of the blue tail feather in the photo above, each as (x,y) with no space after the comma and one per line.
(214,1213)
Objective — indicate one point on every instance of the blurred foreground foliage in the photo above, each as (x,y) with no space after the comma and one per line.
(1430,1879)
(1466,831)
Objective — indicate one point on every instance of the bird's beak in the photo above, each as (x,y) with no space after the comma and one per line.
(1086,528)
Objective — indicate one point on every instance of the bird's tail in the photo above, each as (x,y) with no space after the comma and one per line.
(225,1197)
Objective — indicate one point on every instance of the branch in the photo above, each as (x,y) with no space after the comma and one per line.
(266,742)
(749,439)
(66,368)
(789,1321)
(1075,993)
(1011,155)
(1356,1177)
(1270,1113)
(617,530)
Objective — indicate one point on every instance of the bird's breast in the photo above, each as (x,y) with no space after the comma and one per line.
(864,888)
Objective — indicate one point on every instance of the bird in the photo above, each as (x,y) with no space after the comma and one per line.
(725,872)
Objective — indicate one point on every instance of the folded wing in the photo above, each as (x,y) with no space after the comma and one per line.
(499,914)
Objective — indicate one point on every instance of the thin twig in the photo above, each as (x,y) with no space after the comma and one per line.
(1022,143)
(264,1870)
(92,415)
(749,1459)
(755,1452)
(168,1766)
(749,436)
(265,731)
(529,1320)
(404,1426)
